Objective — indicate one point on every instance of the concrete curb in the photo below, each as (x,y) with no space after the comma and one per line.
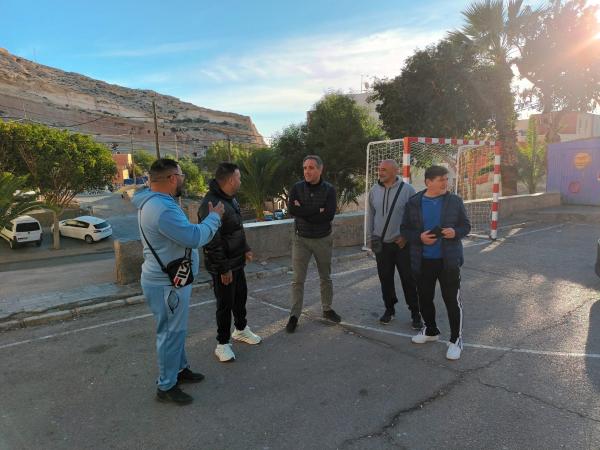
(90,306)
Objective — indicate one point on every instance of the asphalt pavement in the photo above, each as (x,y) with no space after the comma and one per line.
(529,377)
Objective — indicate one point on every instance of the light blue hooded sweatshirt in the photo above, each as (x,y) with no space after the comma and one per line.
(169,232)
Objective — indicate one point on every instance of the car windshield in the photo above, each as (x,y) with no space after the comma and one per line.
(101,225)
(27,226)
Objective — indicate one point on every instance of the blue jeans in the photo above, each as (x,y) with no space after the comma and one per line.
(170,307)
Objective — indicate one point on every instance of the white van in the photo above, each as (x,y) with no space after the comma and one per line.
(22,230)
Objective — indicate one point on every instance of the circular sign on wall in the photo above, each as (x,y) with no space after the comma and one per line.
(574,187)
(582,160)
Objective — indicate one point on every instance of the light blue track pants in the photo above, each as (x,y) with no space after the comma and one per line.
(170,307)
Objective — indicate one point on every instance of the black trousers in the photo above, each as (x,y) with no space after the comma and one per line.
(390,259)
(231,298)
(433,270)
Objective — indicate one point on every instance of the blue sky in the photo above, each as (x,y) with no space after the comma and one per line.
(271,60)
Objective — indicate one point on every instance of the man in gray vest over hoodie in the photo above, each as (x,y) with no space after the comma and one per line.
(387,199)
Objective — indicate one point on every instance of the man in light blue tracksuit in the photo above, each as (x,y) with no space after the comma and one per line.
(166,228)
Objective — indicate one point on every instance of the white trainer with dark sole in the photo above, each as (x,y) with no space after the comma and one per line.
(246,335)
(453,352)
(224,353)
(422,338)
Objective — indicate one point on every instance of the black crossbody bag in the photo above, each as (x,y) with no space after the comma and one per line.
(377,241)
(179,270)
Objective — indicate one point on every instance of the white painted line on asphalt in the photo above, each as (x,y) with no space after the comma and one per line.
(482,346)
(92,327)
(488,242)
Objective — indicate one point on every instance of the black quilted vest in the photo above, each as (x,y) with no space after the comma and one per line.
(312,195)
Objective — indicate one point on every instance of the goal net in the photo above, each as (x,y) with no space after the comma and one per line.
(473,166)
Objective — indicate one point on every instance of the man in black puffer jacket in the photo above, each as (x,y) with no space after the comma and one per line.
(225,258)
(312,202)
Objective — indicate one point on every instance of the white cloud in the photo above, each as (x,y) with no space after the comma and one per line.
(160,49)
(291,76)
(288,77)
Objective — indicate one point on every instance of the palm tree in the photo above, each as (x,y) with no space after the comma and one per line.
(259,181)
(496,30)
(12,204)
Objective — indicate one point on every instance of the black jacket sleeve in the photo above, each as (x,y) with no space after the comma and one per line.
(329,210)
(214,250)
(299,211)
(463,227)
(408,229)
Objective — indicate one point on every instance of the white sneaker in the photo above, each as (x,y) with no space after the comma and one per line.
(224,353)
(246,335)
(454,351)
(422,338)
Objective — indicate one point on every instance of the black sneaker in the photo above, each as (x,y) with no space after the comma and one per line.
(417,322)
(187,376)
(387,317)
(292,324)
(332,315)
(174,395)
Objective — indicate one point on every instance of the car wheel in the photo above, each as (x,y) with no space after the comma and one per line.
(89,239)
(38,243)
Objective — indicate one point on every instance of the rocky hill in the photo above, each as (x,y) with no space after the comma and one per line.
(118,116)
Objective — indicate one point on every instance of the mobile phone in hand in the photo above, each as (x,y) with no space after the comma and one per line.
(436,231)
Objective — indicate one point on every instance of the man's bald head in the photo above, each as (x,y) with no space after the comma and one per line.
(388,169)
(391,163)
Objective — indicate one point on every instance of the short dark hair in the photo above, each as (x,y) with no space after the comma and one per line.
(225,170)
(435,171)
(162,167)
(316,158)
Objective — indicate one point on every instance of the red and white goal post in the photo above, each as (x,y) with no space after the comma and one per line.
(474,173)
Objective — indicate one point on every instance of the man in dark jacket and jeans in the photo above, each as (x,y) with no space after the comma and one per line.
(434,223)
(225,257)
(312,202)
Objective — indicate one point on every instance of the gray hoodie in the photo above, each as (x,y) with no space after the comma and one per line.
(380,201)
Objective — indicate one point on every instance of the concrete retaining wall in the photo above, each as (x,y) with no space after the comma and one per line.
(273,239)
(520,203)
(267,240)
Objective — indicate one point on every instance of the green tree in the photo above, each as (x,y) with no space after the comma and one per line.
(142,160)
(339,130)
(496,31)
(259,181)
(12,135)
(13,205)
(562,61)
(439,93)
(195,183)
(290,147)
(220,151)
(532,158)
(61,164)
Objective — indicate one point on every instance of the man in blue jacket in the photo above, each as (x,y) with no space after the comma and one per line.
(434,223)
(166,228)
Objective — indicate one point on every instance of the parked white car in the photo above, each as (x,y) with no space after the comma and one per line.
(88,228)
(22,230)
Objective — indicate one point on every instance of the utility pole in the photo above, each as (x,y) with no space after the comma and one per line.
(156,130)
(228,148)
(132,160)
